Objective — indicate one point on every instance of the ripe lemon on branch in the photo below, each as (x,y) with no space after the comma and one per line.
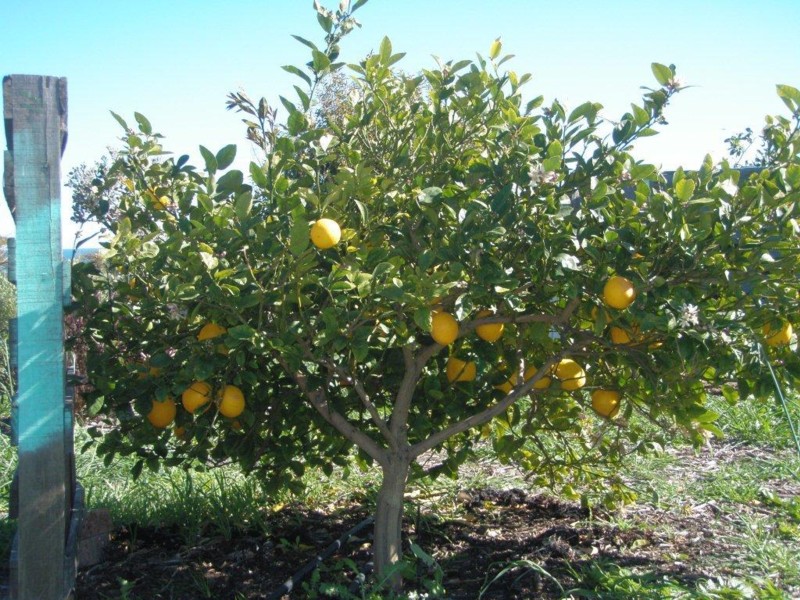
(210,331)
(325,233)
(777,338)
(541,384)
(490,332)
(571,374)
(624,336)
(444,328)
(195,396)
(619,292)
(460,370)
(162,413)
(606,402)
(231,401)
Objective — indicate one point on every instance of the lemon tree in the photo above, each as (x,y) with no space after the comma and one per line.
(444,265)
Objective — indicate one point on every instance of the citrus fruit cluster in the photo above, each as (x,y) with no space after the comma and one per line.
(230,400)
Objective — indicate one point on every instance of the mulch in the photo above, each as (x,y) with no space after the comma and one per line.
(536,541)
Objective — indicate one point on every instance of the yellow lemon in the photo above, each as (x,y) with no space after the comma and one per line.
(605,402)
(162,413)
(508,385)
(541,384)
(622,336)
(231,401)
(460,370)
(619,292)
(195,396)
(179,432)
(210,331)
(490,332)
(444,328)
(571,374)
(325,234)
(779,338)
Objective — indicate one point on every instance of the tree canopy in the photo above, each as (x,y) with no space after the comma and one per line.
(460,205)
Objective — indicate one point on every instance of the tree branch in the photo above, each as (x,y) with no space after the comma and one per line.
(362,394)
(526,387)
(319,401)
(558,319)
(488,414)
(405,393)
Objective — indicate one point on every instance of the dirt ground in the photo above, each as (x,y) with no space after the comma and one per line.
(494,531)
(526,545)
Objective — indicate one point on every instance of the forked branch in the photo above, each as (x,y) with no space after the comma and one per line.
(319,400)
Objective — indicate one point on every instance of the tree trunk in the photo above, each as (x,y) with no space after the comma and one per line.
(387,545)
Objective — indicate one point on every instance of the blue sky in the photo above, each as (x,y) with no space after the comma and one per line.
(176,61)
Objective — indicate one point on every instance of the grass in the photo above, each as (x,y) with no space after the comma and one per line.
(752,484)
(221,500)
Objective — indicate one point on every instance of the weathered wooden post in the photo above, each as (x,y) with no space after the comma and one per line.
(43,558)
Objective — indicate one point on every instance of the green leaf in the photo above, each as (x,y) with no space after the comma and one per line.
(422,317)
(357,5)
(296,123)
(258,176)
(555,149)
(320,61)
(362,210)
(299,236)
(731,393)
(119,120)
(225,156)
(243,333)
(708,416)
(495,49)
(395,58)
(295,71)
(288,105)
(662,73)
(304,99)
(136,471)
(149,249)
(790,96)
(210,160)
(587,110)
(342,286)
(385,51)
(643,171)
(325,22)
(684,189)
(718,433)
(96,405)
(144,124)
(231,182)
(305,42)
(640,115)
(205,202)
(243,205)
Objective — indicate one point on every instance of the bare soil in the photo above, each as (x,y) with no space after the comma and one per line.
(488,531)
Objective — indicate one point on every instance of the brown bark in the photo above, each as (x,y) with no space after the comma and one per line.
(387,545)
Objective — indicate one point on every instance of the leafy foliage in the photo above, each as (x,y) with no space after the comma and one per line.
(464,198)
